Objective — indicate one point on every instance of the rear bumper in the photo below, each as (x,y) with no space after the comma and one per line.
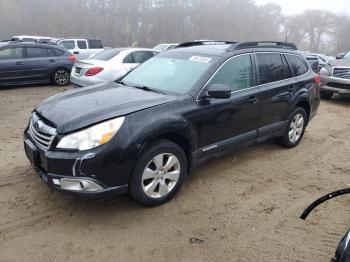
(82,81)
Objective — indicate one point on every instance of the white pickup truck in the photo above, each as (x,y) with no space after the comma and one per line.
(82,48)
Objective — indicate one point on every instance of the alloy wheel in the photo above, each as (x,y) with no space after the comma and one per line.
(161,175)
(62,77)
(296,128)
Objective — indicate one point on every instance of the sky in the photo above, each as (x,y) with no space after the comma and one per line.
(290,7)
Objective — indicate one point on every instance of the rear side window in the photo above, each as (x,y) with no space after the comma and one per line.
(129,59)
(11,53)
(270,67)
(69,44)
(142,56)
(237,73)
(297,65)
(95,44)
(82,44)
(35,52)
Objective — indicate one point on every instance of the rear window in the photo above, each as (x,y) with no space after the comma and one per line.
(297,65)
(271,68)
(55,52)
(95,44)
(107,55)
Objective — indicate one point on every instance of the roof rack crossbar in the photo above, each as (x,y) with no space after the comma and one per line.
(263,44)
(204,42)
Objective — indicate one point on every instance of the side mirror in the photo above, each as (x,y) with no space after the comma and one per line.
(219,91)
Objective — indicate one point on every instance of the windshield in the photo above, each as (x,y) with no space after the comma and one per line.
(176,75)
(347,56)
(107,55)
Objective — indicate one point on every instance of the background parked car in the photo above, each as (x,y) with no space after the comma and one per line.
(82,48)
(335,77)
(27,63)
(108,65)
(164,47)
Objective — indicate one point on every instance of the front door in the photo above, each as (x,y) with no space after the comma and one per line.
(12,65)
(224,123)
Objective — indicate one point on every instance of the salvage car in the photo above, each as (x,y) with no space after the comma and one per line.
(29,63)
(145,132)
(108,65)
(335,77)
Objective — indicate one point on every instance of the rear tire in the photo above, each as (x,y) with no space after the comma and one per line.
(326,95)
(295,129)
(61,77)
(158,174)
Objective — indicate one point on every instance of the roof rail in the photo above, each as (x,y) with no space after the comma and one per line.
(204,42)
(263,44)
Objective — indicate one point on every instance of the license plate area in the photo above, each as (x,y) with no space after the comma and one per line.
(32,153)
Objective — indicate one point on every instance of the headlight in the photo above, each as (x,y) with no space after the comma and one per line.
(93,136)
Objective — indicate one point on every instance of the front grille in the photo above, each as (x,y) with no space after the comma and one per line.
(41,133)
(341,72)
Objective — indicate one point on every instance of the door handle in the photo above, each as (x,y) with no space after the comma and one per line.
(76,52)
(20,63)
(52,60)
(251,100)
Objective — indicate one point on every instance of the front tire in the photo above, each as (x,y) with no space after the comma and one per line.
(296,128)
(61,77)
(158,174)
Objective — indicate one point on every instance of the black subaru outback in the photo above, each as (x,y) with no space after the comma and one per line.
(144,133)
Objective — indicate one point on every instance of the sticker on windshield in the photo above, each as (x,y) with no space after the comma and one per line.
(201,59)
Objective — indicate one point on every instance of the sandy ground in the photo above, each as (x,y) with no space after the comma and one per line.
(243,207)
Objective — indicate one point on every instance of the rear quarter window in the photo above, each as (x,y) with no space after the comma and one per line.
(297,65)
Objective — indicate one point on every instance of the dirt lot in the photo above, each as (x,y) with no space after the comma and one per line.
(243,207)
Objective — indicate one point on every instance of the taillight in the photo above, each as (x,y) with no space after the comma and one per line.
(93,71)
(72,58)
(317,79)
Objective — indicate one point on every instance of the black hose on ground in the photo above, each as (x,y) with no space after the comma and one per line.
(323,199)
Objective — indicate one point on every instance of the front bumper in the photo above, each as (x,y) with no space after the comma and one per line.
(74,174)
(337,90)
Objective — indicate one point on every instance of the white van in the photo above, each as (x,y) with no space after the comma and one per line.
(82,48)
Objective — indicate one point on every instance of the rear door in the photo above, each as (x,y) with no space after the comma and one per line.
(12,65)
(38,63)
(277,85)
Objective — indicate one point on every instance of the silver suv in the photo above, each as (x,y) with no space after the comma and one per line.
(335,77)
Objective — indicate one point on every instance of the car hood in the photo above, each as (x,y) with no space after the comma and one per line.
(75,109)
(340,62)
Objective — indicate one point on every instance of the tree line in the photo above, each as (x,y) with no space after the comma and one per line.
(149,22)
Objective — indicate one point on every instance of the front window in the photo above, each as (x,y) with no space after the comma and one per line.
(237,73)
(177,74)
(160,47)
(67,44)
(347,56)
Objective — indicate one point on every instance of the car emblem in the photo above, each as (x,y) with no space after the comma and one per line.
(37,125)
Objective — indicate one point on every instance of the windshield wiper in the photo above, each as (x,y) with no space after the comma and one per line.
(121,82)
(146,88)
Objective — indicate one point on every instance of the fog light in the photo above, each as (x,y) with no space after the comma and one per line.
(79,185)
